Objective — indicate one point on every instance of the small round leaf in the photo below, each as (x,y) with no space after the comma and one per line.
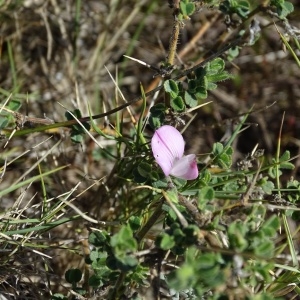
(73,275)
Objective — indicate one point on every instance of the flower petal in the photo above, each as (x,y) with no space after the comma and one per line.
(167,146)
(185,168)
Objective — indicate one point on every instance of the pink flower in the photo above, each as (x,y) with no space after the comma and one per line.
(168,146)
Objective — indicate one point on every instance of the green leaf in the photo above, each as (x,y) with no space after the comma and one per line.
(186,8)
(283,163)
(224,161)
(287,165)
(99,255)
(73,275)
(58,297)
(178,236)
(190,99)
(112,262)
(77,138)
(237,236)
(206,194)
(211,86)
(288,7)
(217,149)
(233,53)
(264,248)
(177,104)
(183,278)
(271,226)
(192,85)
(137,177)
(14,105)
(292,183)
(75,112)
(240,7)
(205,177)
(285,156)
(123,241)
(154,176)
(216,66)
(243,8)
(4,120)
(273,172)
(144,169)
(229,150)
(201,92)
(285,9)
(208,266)
(191,234)
(135,222)
(202,83)
(183,8)
(95,281)
(268,187)
(218,77)
(171,87)
(127,263)
(190,8)
(158,109)
(156,122)
(98,238)
(171,215)
(276,2)
(172,195)
(200,73)
(165,242)
(77,132)
(140,275)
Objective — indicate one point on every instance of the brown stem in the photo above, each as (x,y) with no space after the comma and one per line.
(173,42)
(151,221)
